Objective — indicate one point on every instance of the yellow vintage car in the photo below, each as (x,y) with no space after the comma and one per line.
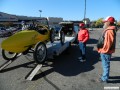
(33,39)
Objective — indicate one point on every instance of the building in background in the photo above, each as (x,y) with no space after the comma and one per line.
(16,19)
(54,21)
(4,17)
(87,22)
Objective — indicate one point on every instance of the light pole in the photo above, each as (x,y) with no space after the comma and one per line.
(85,12)
(40,12)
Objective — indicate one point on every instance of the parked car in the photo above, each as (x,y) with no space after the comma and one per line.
(2,31)
(70,29)
(90,29)
(57,28)
(12,30)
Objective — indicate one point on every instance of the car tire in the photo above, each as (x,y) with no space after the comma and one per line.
(52,35)
(40,52)
(6,55)
(62,37)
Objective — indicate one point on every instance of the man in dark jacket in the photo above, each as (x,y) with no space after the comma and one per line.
(108,47)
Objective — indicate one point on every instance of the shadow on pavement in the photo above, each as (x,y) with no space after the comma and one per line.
(114,79)
(67,64)
(115,59)
(92,41)
(18,66)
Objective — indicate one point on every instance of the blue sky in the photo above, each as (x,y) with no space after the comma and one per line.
(67,9)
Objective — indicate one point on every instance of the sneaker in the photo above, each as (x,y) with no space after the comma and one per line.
(80,58)
(101,81)
(99,75)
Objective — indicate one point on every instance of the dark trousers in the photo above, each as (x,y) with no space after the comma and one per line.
(82,47)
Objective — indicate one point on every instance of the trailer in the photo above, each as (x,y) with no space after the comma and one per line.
(53,49)
(43,51)
(56,48)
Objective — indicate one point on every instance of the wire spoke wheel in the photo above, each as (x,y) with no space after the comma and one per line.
(40,53)
(9,55)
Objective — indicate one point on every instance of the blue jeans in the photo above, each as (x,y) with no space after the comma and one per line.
(82,47)
(105,65)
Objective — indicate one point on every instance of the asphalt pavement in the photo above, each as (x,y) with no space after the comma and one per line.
(64,72)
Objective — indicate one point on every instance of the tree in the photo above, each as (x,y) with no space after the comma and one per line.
(92,24)
(99,22)
(118,24)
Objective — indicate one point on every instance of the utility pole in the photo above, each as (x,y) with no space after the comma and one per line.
(85,11)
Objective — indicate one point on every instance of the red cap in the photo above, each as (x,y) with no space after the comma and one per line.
(109,19)
(81,24)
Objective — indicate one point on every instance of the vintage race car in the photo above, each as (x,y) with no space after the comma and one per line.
(33,39)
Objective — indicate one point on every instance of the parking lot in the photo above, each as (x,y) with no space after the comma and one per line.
(64,72)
